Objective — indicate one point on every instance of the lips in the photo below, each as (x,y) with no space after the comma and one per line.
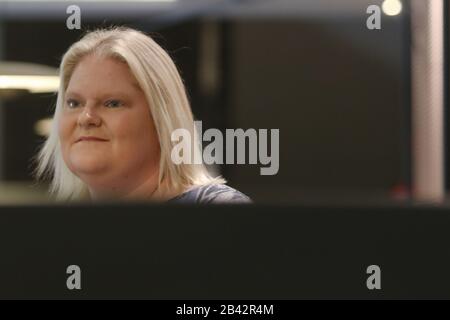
(91,138)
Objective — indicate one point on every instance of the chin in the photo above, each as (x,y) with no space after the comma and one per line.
(87,165)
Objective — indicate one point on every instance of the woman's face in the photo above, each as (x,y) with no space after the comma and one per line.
(107,134)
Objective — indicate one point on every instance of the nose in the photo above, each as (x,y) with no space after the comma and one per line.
(89,117)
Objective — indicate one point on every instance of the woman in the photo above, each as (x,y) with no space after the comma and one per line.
(119,100)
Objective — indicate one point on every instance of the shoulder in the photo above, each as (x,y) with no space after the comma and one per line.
(212,193)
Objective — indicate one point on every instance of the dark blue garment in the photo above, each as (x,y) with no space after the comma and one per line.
(212,193)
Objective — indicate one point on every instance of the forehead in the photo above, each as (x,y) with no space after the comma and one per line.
(98,74)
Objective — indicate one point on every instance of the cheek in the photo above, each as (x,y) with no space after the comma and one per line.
(65,130)
(137,133)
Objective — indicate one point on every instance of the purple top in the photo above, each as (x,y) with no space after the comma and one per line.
(212,193)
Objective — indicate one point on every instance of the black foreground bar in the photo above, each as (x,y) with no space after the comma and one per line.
(224,252)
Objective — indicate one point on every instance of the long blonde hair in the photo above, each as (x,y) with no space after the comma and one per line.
(158,78)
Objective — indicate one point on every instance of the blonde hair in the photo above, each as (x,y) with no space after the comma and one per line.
(158,78)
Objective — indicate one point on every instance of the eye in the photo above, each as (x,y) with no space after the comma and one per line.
(114,103)
(71,103)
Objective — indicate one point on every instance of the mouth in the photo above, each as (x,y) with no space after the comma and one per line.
(90,138)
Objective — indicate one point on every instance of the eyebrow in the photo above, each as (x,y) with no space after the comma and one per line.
(103,95)
(72,93)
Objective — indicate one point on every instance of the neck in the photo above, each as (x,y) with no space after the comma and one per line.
(142,190)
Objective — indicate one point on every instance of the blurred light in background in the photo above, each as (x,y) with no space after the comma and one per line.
(392,7)
(19,193)
(32,77)
(34,84)
(43,127)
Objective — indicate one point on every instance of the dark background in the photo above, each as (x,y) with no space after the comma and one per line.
(230,252)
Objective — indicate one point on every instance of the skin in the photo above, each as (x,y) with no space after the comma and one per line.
(104,100)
